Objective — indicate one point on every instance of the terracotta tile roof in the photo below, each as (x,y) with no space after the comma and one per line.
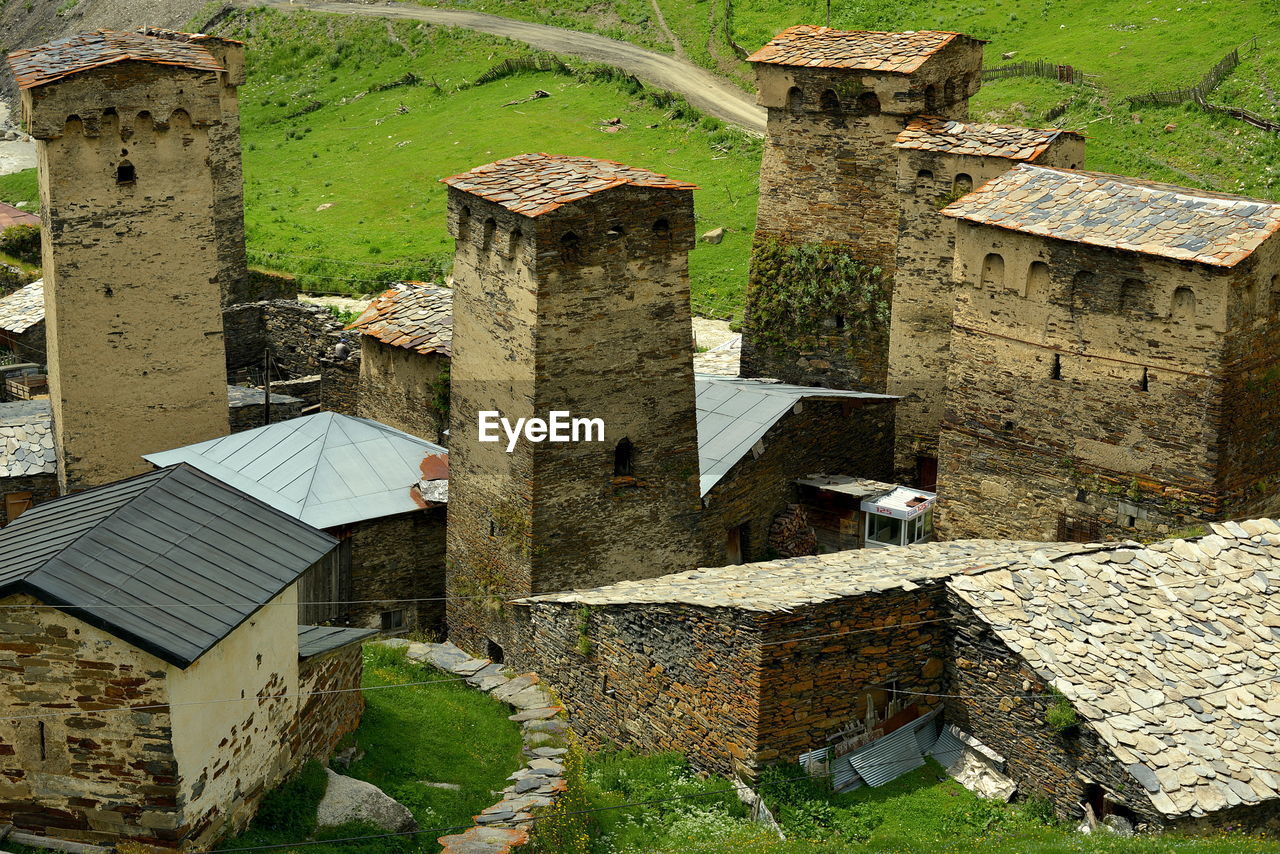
(1122,213)
(929,133)
(865,50)
(23,308)
(60,58)
(415,316)
(534,184)
(1171,652)
(9,215)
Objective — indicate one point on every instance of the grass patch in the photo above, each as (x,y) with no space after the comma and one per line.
(21,186)
(443,733)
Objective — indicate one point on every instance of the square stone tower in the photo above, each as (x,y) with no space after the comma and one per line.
(837,101)
(137,151)
(1113,359)
(571,294)
(938,161)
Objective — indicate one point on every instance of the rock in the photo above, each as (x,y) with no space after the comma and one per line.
(1171,127)
(1118,824)
(546,767)
(394,642)
(534,714)
(453,787)
(715,235)
(484,840)
(324,207)
(348,799)
(1009,54)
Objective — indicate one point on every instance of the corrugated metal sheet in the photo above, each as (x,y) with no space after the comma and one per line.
(314,640)
(948,748)
(886,759)
(325,469)
(734,413)
(843,777)
(171,561)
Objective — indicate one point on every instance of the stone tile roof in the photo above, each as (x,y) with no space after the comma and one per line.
(63,57)
(781,585)
(1171,652)
(26,440)
(413,315)
(534,184)
(865,50)
(10,216)
(929,133)
(1122,213)
(22,309)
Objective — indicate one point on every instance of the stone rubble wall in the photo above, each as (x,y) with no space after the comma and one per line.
(398,388)
(43,487)
(397,558)
(504,827)
(324,718)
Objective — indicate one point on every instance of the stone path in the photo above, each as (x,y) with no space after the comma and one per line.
(503,827)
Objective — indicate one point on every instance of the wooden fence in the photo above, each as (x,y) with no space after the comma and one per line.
(524,63)
(1201,90)
(1246,116)
(1041,68)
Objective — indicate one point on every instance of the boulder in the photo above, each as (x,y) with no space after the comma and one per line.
(348,799)
(715,235)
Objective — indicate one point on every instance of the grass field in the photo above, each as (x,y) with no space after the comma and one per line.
(447,733)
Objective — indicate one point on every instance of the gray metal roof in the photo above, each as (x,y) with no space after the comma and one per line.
(171,561)
(734,413)
(315,640)
(324,469)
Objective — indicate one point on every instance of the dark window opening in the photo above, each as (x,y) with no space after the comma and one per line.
(839,321)
(962,183)
(736,543)
(393,620)
(493,528)
(829,101)
(927,472)
(930,98)
(1130,521)
(44,750)
(570,247)
(661,226)
(623,459)
(126,173)
(516,236)
(1082,495)
(924,175)
(490,226)
(868,104)
(615,232)
(493,651)
(1055,372)
(795,99)
(464,221)
(1146,381)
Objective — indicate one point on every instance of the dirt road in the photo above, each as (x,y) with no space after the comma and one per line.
(706,91)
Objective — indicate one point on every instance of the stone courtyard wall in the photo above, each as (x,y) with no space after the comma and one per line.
(398,387)
(324,718)
(399,558)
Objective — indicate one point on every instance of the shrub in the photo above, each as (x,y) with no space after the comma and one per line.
(22,241)
(1060,715)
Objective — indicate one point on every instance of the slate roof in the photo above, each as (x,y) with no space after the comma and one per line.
(170,561)
(864,50)
(317,640)
(1122,213)
(63,57)
(535,184)
(10,216)
(1171,652)
(324,469)
(22,309)
(782,585)
(239,396)
(413,315)
(929,133)
(26,439)
(734,413)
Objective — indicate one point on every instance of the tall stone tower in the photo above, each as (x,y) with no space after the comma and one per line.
(940,160)
(837,101)
(1113,355)
(137,154)
(571,295)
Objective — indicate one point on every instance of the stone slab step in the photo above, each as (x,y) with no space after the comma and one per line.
(485,840)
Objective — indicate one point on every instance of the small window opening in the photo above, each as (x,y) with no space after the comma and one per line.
(464,221)
(1129,290)
(493,528)
(615,231)
(661,226)
(1130,521)
(623,459)
(1037,280)
(924,175)
(839,321)
(126,173)
(393,620)
(1248,298)
(570,247)
(1055,373)
(829,101)
(493,651)
(930,98)
(1146,381)
(993,271)
(44,748)
(490,226)
(962,183)
(868,104)
(1184,304)
(795,99)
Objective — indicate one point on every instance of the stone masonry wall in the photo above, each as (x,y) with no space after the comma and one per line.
(1077,387)
(399,388)
(116,251)
(652,678)
(584,309)
(828,175)
(325,718)
(94,778)
(817,687)
(43,487)
(923,291)
(399,558)
(844,437)
(989,684)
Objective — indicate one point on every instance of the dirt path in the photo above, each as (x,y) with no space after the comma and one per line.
(704,90)
(666,30)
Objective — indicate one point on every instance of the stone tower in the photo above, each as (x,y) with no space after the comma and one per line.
(137,154)
(1113,359)
(940,160)
(571,294)
(837,102)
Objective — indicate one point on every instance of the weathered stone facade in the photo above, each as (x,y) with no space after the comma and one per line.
(1095,392)
(582,308)
(246,409)
(396,559)
(403,388)
(330,709)
(132,153)
(828,175)
(923,290)
(819,437)
(43,487)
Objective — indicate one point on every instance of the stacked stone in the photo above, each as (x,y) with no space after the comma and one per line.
(791,535)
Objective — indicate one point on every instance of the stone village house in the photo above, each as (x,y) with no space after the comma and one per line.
(133,612)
